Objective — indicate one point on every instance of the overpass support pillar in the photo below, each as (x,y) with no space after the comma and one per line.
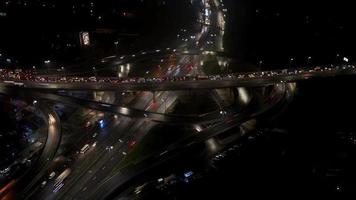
(154,96)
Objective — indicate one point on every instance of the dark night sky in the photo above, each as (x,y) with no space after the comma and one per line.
(272,30)
(30,31)
(276,30)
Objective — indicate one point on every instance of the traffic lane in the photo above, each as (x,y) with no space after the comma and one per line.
(93,169)
(116,158)
(46,191)
(77,162)
(136,133)
(130,133)
(143,127)
(27,182)
(85,177)
(93,157)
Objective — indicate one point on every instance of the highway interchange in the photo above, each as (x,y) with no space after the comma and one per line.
(112,130)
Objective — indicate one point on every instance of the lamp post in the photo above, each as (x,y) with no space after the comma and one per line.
(34,72)
(47,63)
(291,60)
(260,63)
(95,72)
(64,71)
(337,58)
(308,61)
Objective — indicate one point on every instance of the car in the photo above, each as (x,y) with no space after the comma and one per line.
(109,148)
(5,171)
(43,184)
(51,175)
(84,149)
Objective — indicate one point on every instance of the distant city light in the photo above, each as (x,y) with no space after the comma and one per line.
(84,38)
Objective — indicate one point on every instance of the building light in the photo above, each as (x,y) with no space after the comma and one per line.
(84,38)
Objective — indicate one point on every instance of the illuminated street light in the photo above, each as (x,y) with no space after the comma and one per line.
(95,72)
(308,60)
(346,59)
(291,62)
(47,62)
(260,63)
(63,70)
(337,58)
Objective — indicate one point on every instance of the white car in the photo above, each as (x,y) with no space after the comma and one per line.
(51,175)
(43,184)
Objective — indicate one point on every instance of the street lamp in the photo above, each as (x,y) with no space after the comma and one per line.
(63,70)
(47,63)
(291,62)
(34,70)
(308,60)
(337,58)
(95,73)
(345,59)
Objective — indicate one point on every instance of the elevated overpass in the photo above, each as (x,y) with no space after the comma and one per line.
(252,79)
(122,110)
